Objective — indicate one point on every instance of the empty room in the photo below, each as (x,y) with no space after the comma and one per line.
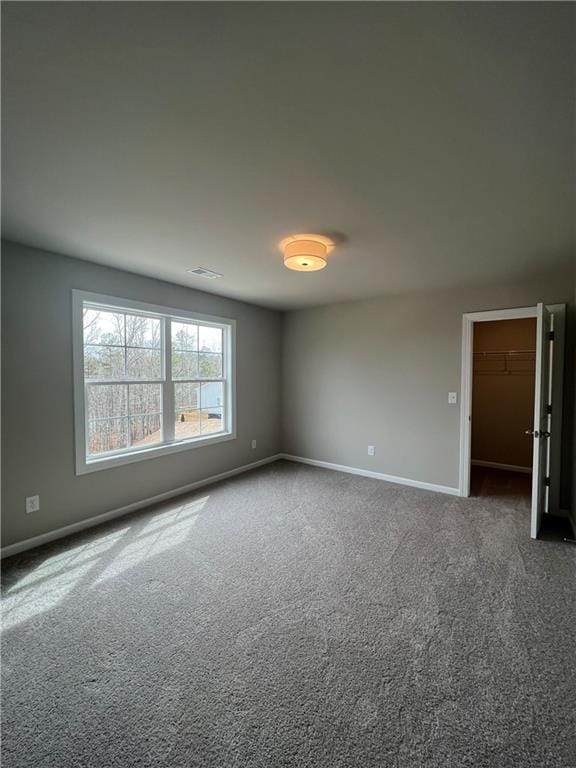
(288,324)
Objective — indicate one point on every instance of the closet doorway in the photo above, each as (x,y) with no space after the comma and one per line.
(503,382)
(510,368)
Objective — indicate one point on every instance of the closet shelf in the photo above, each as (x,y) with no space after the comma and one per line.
(511,362)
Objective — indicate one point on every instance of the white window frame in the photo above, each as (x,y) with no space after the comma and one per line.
(85,464)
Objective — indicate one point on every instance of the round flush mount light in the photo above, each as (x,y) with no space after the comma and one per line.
(305,252)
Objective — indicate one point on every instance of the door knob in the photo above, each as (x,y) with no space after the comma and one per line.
(536,433)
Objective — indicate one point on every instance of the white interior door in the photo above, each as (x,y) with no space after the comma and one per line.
(542,418)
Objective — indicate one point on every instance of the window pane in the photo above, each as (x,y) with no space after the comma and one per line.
(145,430)
(212,420)
(186,396)
(142,331)
(210,339)
(103,362)
(143,363)
(103,327)
(145,398)
(184,365)
(106,401)
(209,365)
(108,435)
(185,336)
(212,394)
(187,424)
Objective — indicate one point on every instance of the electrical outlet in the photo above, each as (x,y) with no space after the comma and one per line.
(253,444)
(371,450)
(32,504)
(452,398)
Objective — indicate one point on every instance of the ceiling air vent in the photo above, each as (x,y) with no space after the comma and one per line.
(203,272)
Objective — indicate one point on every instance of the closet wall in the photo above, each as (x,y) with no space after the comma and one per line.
(503,391)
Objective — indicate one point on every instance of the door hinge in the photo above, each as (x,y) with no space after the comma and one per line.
(547,481)
(549,410)
(550,335)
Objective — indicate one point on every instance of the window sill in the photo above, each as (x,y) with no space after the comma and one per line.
(84,467)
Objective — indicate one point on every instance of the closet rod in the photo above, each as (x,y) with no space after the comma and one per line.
(506,352)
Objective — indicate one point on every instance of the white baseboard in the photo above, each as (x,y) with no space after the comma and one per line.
(376,475)
(497,465)
(67,530)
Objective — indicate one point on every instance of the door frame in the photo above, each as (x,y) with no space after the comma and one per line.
(468,320)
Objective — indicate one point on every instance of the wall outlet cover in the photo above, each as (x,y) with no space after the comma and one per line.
(32,504)
(253,444)
(452,398)
(371,450)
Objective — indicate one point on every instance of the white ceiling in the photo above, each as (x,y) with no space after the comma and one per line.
(437,138)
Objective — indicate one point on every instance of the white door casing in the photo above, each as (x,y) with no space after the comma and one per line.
(468,321)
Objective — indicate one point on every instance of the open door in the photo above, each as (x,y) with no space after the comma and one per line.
(547,426)
(542,418)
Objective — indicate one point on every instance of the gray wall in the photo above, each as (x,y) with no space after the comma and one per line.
(37,425)
(379,371)
(571,400)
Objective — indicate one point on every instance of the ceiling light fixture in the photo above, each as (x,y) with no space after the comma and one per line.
(306,253)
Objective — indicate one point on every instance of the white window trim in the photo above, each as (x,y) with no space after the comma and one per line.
(85,465)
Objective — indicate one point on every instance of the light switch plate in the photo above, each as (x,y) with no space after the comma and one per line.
(452,398)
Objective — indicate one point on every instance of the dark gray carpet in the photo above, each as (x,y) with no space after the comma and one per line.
(295,617)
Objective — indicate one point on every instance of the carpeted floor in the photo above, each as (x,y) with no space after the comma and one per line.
(295,617)
(501,483)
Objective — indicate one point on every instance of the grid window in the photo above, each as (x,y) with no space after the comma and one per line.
(150,380)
